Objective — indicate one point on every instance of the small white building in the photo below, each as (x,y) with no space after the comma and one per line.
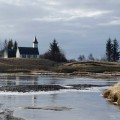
(28,52)
(23,52)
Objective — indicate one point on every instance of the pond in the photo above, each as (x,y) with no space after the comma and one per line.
(70,104)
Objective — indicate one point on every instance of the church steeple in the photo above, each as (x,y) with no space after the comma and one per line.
(35,43)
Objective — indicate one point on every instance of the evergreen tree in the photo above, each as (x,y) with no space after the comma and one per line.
(54,48)
(90,57)
(54,53)
(109,50)
(15,45)
(10,44)
(81,58)
(115,50)
(112,50)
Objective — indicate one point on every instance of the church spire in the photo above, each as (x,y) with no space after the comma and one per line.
(35,43)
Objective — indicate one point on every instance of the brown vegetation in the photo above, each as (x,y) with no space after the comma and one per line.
(113,94)
(89,68)
(25,65)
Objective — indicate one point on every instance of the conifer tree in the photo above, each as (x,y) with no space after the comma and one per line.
(10,44)
(81,58)
(109,50)
(54,48)
(90,57)
(115,50)
(55,53)
(15,45)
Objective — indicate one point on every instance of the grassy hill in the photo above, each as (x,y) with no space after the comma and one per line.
(90,66)
(27,65)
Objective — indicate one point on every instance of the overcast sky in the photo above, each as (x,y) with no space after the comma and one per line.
(79,26)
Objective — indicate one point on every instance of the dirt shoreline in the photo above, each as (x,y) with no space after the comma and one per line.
(94,69)
(105,75)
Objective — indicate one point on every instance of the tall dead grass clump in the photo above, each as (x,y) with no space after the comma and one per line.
(113,94)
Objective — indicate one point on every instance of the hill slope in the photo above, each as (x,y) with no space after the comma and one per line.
(74,68)
(16,65)
(90,66)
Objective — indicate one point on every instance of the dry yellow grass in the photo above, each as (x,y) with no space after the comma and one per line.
(91,66)
(113,94)
(19,65)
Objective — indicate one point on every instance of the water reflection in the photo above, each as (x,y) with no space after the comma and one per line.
(39,80)
(85,106)
(34,100)
(18,80)
(53,98)
(54,80)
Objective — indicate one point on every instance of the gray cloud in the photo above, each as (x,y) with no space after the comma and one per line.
(78,25)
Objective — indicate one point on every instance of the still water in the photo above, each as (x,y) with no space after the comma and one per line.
(77,104)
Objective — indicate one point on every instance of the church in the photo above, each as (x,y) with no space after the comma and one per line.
(23,52)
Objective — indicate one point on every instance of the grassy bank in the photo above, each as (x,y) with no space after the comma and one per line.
(113,94)
(74,68)
(90,66)
(92,69)
(25,65)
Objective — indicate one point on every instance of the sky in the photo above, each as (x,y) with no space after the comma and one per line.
(80,27)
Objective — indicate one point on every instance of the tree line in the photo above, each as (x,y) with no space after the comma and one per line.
(112,50)
(112,53)
(89,58)
(55,53)
(10,44)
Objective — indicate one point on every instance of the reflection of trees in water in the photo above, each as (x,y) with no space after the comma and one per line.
(54,80)
(10,83)
(20,80)
(34,100)
(53,98)
(25,80)
(112,82)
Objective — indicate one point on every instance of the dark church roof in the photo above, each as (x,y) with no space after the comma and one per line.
(28,51)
